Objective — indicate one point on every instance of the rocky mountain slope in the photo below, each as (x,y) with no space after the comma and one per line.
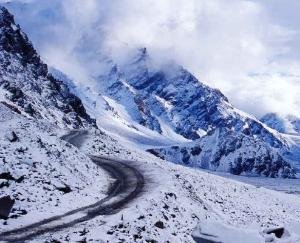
(44,175)
(168,98)
(288,124)
(171,94)
(39,172)
(26,85)
(225,150)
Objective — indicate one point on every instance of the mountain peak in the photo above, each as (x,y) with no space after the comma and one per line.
(140,56)
(27,85)
(14,41)
(5,17)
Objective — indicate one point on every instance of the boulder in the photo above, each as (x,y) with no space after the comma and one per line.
(6,204)
(278,232)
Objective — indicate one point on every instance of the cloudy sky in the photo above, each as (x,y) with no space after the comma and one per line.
(249,49)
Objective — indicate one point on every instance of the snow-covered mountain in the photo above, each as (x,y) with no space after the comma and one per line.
(171,101)
(38,171)
(289,127)
(171,95)
(288,124)
(26,85)
(225,150)
(160,108)
(162,105)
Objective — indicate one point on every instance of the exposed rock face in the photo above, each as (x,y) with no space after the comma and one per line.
(25,83)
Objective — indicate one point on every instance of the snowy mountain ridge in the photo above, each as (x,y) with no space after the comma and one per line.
(27,86)
(172,102)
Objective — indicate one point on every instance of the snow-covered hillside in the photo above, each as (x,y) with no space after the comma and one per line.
(43,174)
(289,126)
(168,94)
(176,199)
(170,207)
(229,151)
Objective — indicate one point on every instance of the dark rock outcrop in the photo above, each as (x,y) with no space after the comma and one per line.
(6,204)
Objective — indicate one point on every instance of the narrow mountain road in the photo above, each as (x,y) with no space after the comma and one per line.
(128,184)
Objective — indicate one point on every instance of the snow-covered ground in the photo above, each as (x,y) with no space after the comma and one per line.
(45,175)
(290,186)
(176,199)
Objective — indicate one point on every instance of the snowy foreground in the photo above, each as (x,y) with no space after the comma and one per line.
(175,201)
(45,175)
(183,198)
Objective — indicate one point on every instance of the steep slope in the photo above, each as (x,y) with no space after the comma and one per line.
(26,84)
(288,124)
(139,96)
(43,174)
(225,150)
(177,198)
(171,94)
(168,98)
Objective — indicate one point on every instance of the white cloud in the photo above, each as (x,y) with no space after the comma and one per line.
(242,47)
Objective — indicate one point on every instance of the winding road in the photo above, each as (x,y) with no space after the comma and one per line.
(128,183)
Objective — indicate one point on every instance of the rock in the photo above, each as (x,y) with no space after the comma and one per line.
(55,241)
(65,189)
(3,183)
(6,176)
(83,232)
(6,204)
(279,232)
(159,224)
(12,136)
(30,87)
(20,179)
(202,236)
(203,240)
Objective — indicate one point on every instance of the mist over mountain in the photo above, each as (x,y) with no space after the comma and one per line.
(249,55)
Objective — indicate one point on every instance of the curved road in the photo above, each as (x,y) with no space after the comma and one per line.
(127,185)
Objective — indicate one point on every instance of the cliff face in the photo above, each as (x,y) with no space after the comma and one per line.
(26,85)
